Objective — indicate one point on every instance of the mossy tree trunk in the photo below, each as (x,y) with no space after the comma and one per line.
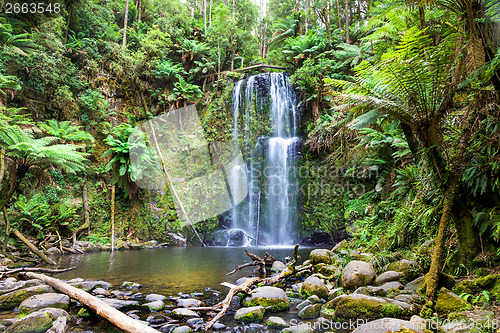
(468,237)
(437,256)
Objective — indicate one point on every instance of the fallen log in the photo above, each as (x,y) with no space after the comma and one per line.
(35,269)
(117,318)
(33,248)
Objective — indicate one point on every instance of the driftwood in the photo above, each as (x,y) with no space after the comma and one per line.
(33,248)
(117,318)
(80,228)
(35,269)
(261,263)
(245,287)
(224,305)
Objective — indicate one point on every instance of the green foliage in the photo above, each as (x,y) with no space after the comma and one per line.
(167,70)
(65,131)
(28,152)
(34,211)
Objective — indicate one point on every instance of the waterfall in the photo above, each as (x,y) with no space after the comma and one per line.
(265,125)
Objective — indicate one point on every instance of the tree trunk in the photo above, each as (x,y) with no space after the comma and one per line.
(32,247)
(125,22)
(7,230)
(437,256)
(210,15)
(468,244)
(2,164)
(315,109)
(347,40)
(328,25)
(234,8)
(117,318)
(421,14)
(338,16)
(86,218)
(112,218)
(205,14)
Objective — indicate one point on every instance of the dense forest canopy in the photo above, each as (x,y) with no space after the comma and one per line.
(407,90)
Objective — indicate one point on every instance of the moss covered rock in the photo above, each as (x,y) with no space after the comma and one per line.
(37,322)
(388,276)
(448,302)
(251,314)
(490,282)
(409,268)
(272,298)
(368,307)
(318,256)
(357,274)
(313,285)
(14,298)
(310,311)
(276,322)
(48,300)
(301,328)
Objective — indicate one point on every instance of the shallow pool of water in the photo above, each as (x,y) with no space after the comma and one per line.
(171,270)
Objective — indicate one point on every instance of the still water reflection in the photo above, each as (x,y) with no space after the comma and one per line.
(168,271)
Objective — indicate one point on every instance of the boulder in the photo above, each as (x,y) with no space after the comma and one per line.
(310,311)
(155,305)
(276,322)
(409,268)
(448,302)
(301,328)
(389,325)
(183,313)
(14,298)
(476,321)
(194,321)
(330,271)
(130,285)
(313,285)
(391,287)
(340,246)
(278,266)
(489,282)
(318,238)
(388,276)
(100,291)
(48,300)
(37,322)
(272,298)
(318,256)
(121,304)
(415,285)
(250,314)
(60,325)
(426,248)
(182,329)
(361,306)
(357,274)
(89,285)
(188,302)
(155,297)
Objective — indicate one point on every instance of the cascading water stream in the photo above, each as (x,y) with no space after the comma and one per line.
(265,128)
